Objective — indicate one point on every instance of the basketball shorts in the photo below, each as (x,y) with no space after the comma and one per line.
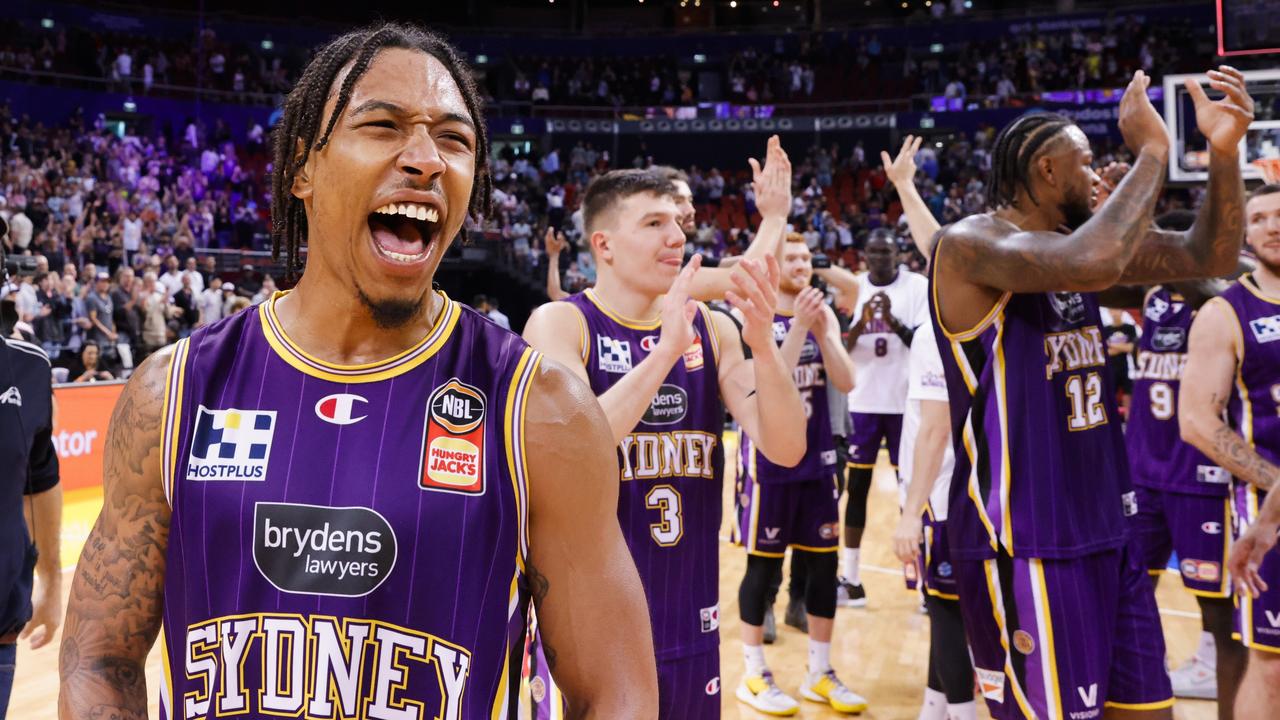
(688,687)
(1196,527)
(869,430)
(803,515)
(1064,638)
(933,571)
(1258,619)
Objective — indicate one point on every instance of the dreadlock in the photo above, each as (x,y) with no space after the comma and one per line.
(304,108)
(1016,147)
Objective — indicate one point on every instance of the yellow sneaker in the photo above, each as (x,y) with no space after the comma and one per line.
(827,688)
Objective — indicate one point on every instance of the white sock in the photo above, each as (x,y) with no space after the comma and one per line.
(1207,652)
(850,557)
(963,711)
(819,656)
(934,706)
(754,656)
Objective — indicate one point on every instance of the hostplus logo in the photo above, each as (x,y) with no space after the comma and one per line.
(231,444)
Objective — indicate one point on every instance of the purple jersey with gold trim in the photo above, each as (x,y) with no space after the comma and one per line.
(810,375)
(1158,456)
(1254,409)
(671,464)
(1040,458)
(346,541)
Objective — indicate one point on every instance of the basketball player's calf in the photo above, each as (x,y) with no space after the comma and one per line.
(869,430)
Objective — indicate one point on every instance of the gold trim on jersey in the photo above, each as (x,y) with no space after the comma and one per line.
(1002,419)
(171,417)
(712,332)
(997,610)
(396,365)
(969,439)
(584,335)
(626,322)
(1251,284)
(974,331)
(1048,653)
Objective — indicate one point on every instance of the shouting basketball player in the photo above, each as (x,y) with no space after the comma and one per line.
(662,365)
(1235,360)
(339,502)
(1059,613)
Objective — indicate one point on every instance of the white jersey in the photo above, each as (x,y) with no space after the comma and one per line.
(927,382)
(880,356)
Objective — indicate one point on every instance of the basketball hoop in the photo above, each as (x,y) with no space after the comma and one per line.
(1270,168)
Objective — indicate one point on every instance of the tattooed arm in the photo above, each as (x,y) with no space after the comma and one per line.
(591,605)
(1212,244)
(114,611)
(1212,359)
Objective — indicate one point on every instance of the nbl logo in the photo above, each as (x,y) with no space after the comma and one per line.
(231,444)
(453,442)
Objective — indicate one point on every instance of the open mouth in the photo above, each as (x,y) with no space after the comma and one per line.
(402,232)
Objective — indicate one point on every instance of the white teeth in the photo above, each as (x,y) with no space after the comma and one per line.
(410,210)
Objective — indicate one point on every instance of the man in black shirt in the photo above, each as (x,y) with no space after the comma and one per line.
(26,444)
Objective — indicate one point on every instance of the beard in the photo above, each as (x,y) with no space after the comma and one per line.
(392,313)
(1076,213)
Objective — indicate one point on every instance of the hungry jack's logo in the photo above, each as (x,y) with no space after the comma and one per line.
(453,440)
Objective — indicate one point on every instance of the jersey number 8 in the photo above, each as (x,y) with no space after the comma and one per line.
(882,346)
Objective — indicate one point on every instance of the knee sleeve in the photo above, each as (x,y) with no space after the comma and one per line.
(755,587)
(948,650)
(1217,616)
(855,508)
(820,591)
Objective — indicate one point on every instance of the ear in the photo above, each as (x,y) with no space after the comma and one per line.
(602,246)
(1045,166)
(302,179)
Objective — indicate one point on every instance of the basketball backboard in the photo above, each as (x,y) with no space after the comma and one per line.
(1189,158)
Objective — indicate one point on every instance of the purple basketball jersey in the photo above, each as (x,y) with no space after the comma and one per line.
(1252,410)
(819,461)
(1040,459)
(671,466)
(1158,456)
(346,541)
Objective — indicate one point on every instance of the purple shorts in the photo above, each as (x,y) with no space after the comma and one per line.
(933,571)
(1064,638)
(773,516)
(1196,527)
(1258,619)
(869,429)
(688,687)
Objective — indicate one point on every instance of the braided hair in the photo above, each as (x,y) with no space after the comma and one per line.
(1016,147)
(304,109)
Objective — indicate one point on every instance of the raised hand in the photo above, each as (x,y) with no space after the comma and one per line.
(1140,124)
(772,183)
(756,298)
(810,310)
(678,311)
(554,242)
(901,170)
(1222,122)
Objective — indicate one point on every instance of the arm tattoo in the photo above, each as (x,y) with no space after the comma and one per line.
(1212,243)
(538,587)
(1244,462)
(116,601)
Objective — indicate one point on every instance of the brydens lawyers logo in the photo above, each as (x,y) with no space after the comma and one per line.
(453,440)
(231,444)
(340,409)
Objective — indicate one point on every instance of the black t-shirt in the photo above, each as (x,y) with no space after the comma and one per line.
(28,465)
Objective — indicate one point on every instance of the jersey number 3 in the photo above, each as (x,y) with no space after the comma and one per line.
(1087,410)
(668,530)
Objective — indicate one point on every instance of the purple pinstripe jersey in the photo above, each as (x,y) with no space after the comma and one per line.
(346,541)
(1158,456)
(819,461)
(1254,409)
(671,465)
(1040,458)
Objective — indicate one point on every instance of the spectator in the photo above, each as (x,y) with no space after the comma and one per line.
(171,280)
(210,302)
(87,367)
(98,307)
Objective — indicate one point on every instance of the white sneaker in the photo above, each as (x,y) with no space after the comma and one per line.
(850,595)
(1195,679)
(763,694)
(826,688)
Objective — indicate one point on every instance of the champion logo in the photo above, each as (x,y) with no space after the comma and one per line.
(340,408)
(648,343)
(713,686)
(1211,528)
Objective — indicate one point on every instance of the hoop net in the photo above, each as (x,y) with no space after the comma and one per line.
(1270,168)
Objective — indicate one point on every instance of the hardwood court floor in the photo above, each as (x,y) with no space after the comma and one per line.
(881,651)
